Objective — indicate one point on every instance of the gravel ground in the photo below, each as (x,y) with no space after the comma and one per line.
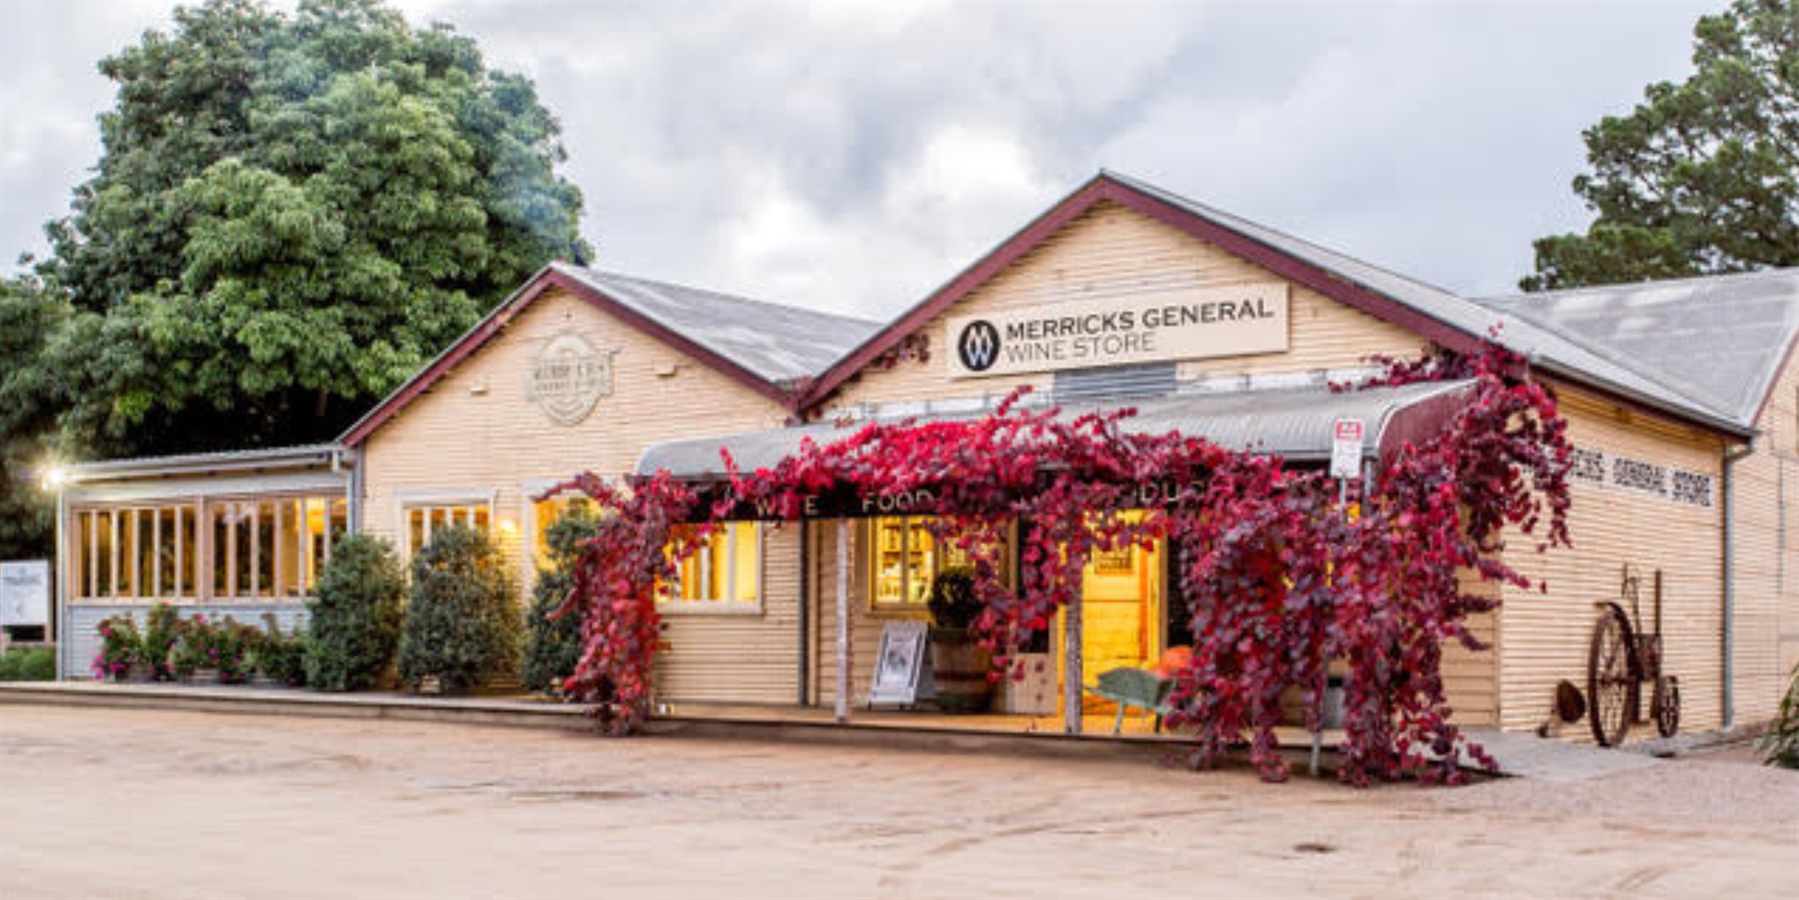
(140,803)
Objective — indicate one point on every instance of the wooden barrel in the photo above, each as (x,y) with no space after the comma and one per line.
(959,667)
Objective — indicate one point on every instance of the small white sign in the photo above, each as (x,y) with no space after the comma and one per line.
(25,593)
(902,665)
(1346,448)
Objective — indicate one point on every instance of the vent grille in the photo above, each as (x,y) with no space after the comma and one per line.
(1147,380)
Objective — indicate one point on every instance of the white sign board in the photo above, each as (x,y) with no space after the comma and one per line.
(1153,326)
(902,665)
(1346,448)
(25,593)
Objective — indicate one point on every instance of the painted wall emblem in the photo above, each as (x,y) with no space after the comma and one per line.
(568,376)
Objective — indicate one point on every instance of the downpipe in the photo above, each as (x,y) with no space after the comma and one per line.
(1727,494)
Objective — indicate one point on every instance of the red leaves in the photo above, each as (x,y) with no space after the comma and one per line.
(1279,577)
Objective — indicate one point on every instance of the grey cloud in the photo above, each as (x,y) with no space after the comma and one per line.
(786,151)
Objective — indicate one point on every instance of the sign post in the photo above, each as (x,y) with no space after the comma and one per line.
(1346,465)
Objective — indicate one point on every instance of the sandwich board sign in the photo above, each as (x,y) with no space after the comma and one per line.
(903,667)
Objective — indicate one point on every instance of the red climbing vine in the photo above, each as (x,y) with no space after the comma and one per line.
(1285,583)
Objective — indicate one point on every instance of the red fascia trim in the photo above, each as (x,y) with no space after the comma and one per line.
(1104,188)
(474,340)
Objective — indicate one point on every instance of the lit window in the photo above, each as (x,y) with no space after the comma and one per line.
(423,519)
(905,558)
(726,571)
(266,548)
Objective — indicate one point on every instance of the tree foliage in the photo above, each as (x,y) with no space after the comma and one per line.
(553,642)
(291,215)
(1703,176)
(354,621)
(1280,578)
(462,624)
(29,399)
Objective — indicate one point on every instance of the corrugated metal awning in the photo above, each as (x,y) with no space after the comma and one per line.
(1293,424)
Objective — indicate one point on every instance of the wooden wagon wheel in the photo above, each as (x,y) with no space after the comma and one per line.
(1611,687)
(1664,705)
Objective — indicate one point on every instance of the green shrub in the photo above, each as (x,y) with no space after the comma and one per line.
(356,615)
(161,631)
(277,656)
(29,664)
(1780,746)
(552,648)
(462,622)
(952,600)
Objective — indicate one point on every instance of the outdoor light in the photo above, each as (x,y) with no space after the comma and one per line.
(54,477)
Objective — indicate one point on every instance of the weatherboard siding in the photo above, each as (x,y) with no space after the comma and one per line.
(740,658)
(1766,557)
(1471,677)
(1545,636)
(477,435)
(1111,250)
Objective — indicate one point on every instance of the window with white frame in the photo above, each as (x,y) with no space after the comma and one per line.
(270,547)
(725,573)
(425,517)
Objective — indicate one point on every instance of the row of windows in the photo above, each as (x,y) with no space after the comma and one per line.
(275,548)
(267,548)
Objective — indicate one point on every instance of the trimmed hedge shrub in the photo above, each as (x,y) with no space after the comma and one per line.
(355,619)
(462,623)
(28,664)
(552,648)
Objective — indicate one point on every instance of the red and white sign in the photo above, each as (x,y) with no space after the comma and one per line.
(1346,448)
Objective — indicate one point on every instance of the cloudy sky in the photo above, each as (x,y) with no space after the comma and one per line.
(854,156)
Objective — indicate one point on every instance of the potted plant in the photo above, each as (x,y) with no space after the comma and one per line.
(959,664)
(195,658)
(121,656)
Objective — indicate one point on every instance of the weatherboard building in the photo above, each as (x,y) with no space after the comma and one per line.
(1682,400)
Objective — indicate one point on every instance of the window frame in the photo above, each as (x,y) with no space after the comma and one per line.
(430,501)
(669,601)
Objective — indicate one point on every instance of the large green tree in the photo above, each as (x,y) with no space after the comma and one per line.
(1703,176)
(29,399)
(291,215)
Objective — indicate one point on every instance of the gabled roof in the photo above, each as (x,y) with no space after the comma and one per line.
(779,344)
(1720,340)
(1428,311)
(764,346)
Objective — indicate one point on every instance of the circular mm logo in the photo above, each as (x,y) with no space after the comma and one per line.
(978,345)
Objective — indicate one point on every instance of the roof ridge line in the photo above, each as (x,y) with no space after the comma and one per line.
(738,298)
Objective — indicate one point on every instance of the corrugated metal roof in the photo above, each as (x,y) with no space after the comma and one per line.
(1719,339)
(187,463)
(1546,345)
(777,343)
(1294,424)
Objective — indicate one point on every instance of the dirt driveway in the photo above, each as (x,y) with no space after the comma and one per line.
(126,803)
